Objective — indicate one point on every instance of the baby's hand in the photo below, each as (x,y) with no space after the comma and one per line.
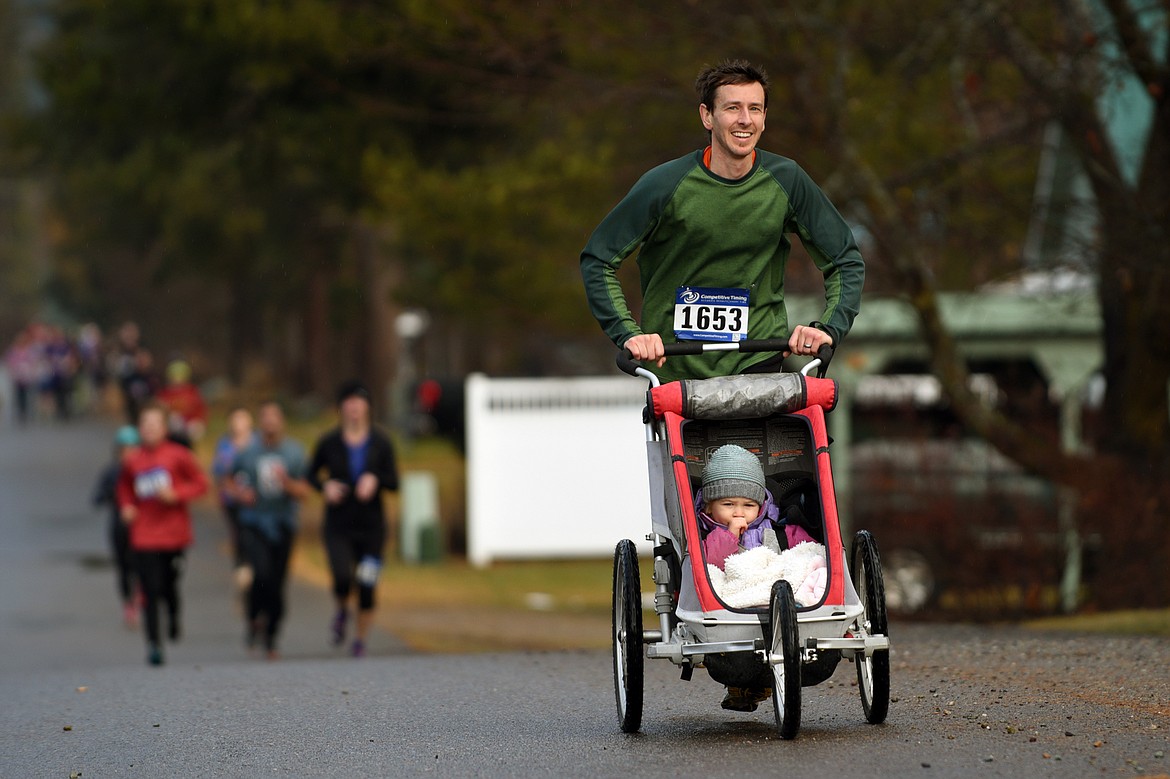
(737,525)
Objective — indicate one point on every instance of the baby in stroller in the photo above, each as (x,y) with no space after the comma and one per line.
(736,514)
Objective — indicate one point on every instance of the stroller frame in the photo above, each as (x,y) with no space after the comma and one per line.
(784,646)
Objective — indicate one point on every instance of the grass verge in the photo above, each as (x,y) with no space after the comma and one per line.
(1133,622)
(454,607)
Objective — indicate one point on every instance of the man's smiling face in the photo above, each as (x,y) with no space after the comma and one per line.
(736,121)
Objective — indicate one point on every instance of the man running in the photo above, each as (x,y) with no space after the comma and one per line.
(267,480)
(711,229)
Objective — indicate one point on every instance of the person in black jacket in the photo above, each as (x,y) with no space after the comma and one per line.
(351,466)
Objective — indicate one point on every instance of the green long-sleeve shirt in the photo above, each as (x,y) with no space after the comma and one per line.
(696,229)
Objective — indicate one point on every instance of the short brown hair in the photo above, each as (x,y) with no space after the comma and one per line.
(151,406)
(729,72)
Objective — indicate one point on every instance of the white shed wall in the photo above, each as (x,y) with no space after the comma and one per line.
(555,467)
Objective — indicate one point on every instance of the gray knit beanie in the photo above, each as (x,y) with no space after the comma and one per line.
(733,472)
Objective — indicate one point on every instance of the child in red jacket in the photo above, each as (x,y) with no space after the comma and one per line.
(158,479)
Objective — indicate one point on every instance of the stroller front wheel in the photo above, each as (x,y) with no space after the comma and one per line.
(785,659)
(628,652)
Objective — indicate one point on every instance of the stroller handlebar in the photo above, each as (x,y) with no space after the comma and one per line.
(627,364)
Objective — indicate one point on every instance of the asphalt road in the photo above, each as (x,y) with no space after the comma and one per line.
(76,698)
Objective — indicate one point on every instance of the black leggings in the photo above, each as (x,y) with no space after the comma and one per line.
(158,575)
(269,562)
(346,552)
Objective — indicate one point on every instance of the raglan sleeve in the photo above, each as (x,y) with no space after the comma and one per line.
(316,463)
(387,467)
(618,236)
(829,241)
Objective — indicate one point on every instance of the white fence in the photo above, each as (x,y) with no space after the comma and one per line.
(555,467)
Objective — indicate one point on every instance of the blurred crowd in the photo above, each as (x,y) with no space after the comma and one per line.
(261,475)
(50,373)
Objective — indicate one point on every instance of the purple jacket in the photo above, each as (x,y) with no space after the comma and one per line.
(719,543)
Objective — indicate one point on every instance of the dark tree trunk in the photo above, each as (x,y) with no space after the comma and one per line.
(1134,289)
(245,323)
(315,373)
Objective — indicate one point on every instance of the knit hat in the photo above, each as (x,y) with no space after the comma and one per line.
(733,472)
(178,372)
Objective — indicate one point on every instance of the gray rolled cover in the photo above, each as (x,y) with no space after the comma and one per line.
(743,397)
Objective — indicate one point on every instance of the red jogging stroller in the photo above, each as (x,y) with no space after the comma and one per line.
(778,644)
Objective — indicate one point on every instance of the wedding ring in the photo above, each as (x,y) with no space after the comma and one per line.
(808,346)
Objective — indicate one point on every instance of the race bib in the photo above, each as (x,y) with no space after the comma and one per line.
(710,314)
(269,471)
(368,570)
(150,483)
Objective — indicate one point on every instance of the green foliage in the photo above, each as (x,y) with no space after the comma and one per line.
(241,141)
(494,243)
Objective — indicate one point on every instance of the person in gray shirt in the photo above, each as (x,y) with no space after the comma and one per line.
(267,479)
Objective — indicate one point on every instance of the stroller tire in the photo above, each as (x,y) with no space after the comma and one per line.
(628,652)
(785,659)
(873,672)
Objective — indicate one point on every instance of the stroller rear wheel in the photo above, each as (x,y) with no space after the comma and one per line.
(873,671)
(628,654)
(785,659)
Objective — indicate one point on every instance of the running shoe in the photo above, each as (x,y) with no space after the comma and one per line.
(359,648)
(337,627)
(154,655)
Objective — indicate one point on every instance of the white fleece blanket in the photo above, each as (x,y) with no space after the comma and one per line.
(748,576)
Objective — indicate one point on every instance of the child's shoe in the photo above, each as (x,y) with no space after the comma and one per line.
(745,698)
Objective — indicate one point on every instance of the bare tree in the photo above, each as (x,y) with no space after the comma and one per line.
(1064,56)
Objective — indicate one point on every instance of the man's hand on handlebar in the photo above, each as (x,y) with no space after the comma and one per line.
(647,347)
(806,340)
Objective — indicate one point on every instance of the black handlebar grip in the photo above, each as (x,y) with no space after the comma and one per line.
(764,345)
(625,362)
(825,355)
(683,347)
